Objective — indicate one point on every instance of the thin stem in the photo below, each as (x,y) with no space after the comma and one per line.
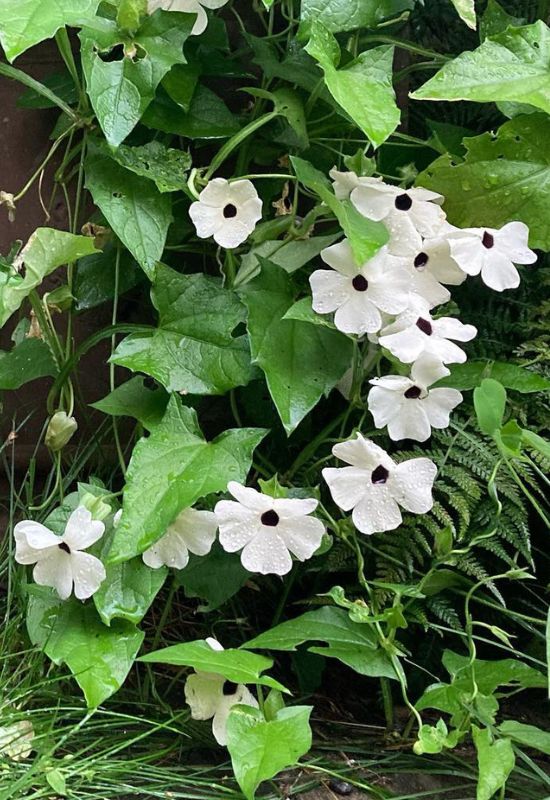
(225,151)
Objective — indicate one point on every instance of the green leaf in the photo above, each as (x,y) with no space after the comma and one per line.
(122,74)
(290,255)
(172,469)
(536,442)
(352,643)
(513,65)
(501,179)
(366,237)
(128,591)
(71,633)
(302,310)
(237,666)
(363,88)
(495,762)
(27,361)
(301,362)
(130,13)
(201,577)
(57,781)
(95,277)
(193,349)
(46,250)
(260,749)
(32,21)
(491,674)
(135,399)
(434,738)
(345,15)
(181,82)
(511,376)
(547,637)
(526,735)
(165,166)
(208,116)
(495,20)
(138,214)
(490,404)
(466,10)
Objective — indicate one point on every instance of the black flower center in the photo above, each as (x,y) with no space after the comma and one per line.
(64,547)
(230,211)
(413,393)
(229,688)
(425,326)
(403,202)
(379,475)
(421,260)
(360,283)
(270,518)
(488,240)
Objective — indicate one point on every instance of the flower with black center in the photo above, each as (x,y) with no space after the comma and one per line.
(211,696)
(407,406)
(374,487)
(191,532)
(430,266)
(415,332)
(226,211)
(267,529)
(358,294)
(59,560)
(189,7)
(493,253)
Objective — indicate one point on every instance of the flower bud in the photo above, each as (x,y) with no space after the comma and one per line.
(60,431)
(97,506)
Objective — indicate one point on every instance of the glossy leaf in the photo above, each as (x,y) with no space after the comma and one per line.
(193,348)
(165,166)
(466,10)
(291,255)
(71,633)
(122,73)
(490,404)
(134,208)
(345,15)
(366,237)
(135,399)
(95,277)
(201,577)
(128,591)
(237,666)
(260,749)
(172,469)
(301,362)
(46,250)
(511,376)
(501,672)
(495,761)
(363,88)
(207,118)
(526,735)
(28,22)
(27,361)
(536,442)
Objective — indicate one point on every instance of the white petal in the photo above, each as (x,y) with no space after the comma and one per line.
(81,530)
(513,239)
(237,525)
(452,328)
(427,370)
(339,256)
(196,530)
(343,183)
(467,251)
(16,740)
(290,508)
(385,404)
(440,263)
(358,315)
(448,352)
(164,553)
(374,201)
(439,404)
(426,195)
(427,218)
(203,694)
(427,287)
(206,219)
(56,572)
(213,643)
(411,484)
(499,273)
(363,453)
(391,294)
(232,232)
(329,289)
(404,238)
(346,485)
(411,423)
(377,511)
(37,536)
(240,192)
(217,193)
(88,574)
(219,724)
(301,536)
(250,498)
(266,553)
(406,345)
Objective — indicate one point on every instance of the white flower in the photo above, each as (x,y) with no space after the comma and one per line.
(430,265)
(344,183)
(268,529)
(374,486)
(227,211)
(415,332)
(16,740)
(211,696)
(405,212)
(407,406)
(493,253)
(190,7)
(60,562)
(359,294)
(192,531)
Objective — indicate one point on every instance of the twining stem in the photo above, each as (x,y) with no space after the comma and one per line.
(225,151)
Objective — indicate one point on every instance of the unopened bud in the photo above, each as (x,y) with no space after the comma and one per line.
(97,506)
(60,431)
